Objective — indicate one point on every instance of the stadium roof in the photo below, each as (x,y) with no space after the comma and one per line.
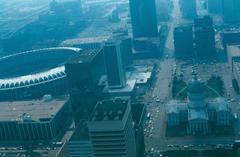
(47,67)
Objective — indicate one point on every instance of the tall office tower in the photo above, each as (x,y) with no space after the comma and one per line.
(125,47)
(231,11)
(116,76)
(214,6)
(144,18)
(84,71)
(183,42)
(126,51)
(111,129)
(204,38)
(188,8)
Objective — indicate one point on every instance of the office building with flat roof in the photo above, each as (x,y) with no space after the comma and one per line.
(83,73)
(111,129)
(230,37)
(80,143)
(84,69)
(34,120)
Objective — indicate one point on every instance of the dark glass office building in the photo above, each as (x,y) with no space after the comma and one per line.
(144,18)
(113,64)
(84,71)
(126,51)
(183,42)
(204,36)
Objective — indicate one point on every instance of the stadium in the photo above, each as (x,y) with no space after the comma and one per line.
(32,74)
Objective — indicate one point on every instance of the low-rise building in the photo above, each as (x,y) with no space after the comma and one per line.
(34,120)
(233,52)
(230,37)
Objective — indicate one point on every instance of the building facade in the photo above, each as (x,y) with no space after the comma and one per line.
(183,42)
(111,129)
(144,18)
(34,120)
(83,74)
(79,144)
(115,71)
(126,51)
(204,36)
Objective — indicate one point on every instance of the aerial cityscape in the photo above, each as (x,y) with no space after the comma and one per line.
(119,78)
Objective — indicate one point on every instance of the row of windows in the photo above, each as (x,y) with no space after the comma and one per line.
(25,131)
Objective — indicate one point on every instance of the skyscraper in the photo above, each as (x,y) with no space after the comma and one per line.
(183,42)
(113,63)
(84,71)
(126,51)
(204,37)
(144,18)
(111,129)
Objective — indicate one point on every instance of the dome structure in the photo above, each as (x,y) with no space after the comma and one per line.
(195,93)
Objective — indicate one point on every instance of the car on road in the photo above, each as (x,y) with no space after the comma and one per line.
(170,146)
(235,115)
(232,100)
(218,146)
(185,147)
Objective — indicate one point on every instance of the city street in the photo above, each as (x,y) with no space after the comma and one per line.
(161,90)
